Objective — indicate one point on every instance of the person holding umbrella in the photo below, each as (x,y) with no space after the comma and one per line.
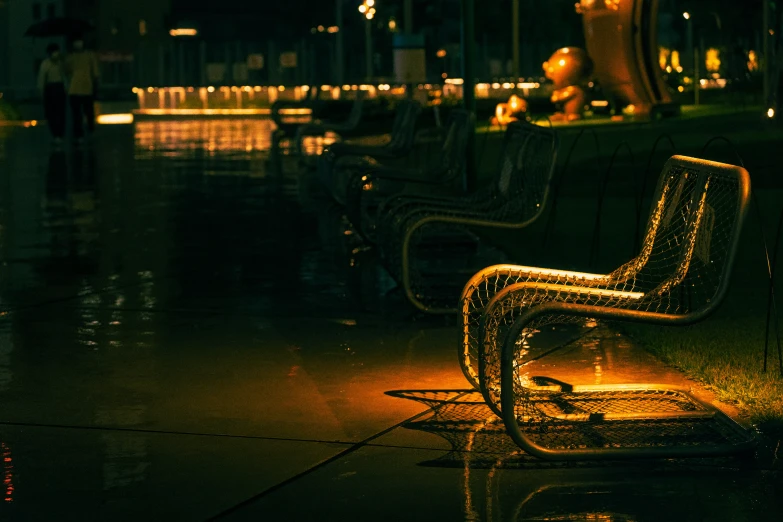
(82,69)
(51,83)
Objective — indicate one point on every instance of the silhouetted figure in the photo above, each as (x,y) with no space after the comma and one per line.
(82,67)
(51,83)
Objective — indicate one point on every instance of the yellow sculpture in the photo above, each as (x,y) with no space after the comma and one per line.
(505,113)
(569,69)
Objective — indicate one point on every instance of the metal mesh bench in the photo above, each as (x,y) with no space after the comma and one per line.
(679,277)
(429,244)
(340,160)
(366,189)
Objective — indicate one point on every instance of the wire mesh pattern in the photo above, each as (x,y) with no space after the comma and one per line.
(683,263)
(680,274)
(339,161)
(424,238)
(612,402)
(366,188)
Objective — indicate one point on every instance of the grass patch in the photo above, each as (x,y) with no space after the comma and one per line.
(727,356)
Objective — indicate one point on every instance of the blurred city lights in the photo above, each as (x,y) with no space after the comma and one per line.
(185,31)
(115,119)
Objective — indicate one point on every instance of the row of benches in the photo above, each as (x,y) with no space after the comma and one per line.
(427,232)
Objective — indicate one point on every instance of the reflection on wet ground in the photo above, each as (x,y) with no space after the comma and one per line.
(176,342)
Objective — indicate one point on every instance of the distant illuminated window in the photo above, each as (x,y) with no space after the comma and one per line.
(753,61)
(663,57)
(712,61)
(142,27)
(675,57)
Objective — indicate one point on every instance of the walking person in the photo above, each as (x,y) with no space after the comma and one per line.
(51,83)
(82,68)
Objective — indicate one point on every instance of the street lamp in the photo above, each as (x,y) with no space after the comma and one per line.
(368,10)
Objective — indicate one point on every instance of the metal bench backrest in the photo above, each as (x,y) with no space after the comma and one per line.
(692,235)
(519,192)
(452,157)
(403,130)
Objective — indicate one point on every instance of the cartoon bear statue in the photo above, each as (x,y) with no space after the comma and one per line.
(570,69)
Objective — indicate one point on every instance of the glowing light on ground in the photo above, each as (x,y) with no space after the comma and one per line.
(115,119)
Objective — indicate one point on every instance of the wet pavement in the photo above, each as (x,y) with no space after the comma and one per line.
(178,343)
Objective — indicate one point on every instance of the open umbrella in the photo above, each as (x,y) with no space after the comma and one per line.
(58,27)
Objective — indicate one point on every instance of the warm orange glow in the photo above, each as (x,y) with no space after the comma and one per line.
(187,31)
(770,113)
(221,112)
(686,15)
(367,9)
(712,61)
(455,81)
(441,53)
(675,60)
(115,119)
(528,85)
(663,57)
(8,473)
(213,135)
(506,113)
(753,61)
(332,29)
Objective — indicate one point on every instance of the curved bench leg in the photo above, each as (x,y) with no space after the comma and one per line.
(585,436)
